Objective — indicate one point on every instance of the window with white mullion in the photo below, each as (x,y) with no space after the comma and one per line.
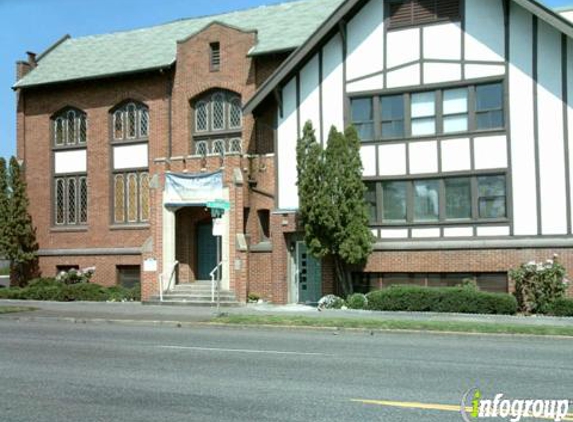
(455,110)
(423,113)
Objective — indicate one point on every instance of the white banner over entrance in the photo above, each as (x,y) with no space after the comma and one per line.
(192,189)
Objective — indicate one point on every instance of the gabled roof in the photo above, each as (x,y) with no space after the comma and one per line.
(302,52)
(281,27)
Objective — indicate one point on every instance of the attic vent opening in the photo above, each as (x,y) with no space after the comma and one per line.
(403,13)
(215,56)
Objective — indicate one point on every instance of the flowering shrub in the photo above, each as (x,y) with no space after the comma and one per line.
(331,302)
(74,276)
(539,284)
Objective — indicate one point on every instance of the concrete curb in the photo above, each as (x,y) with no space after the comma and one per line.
(205,324)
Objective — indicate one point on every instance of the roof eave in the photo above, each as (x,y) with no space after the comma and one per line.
(299,54)
(544,13)
(92,78)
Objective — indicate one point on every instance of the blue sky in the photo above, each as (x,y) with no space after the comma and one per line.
(33,25)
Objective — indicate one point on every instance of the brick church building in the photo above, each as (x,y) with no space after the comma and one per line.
(463,107)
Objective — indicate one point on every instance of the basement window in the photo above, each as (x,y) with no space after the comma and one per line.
(128,275)
(215,56)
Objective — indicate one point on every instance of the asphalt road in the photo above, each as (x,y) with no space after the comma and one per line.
(59,372)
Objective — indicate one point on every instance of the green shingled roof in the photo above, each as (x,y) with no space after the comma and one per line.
(279,27)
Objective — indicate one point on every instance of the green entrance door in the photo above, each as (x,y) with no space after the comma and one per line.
(309,275)
(206,250)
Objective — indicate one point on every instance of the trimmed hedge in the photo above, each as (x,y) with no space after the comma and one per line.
(445,299)
(52,290)
(561,307)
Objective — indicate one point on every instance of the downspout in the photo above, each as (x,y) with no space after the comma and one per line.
(170,114)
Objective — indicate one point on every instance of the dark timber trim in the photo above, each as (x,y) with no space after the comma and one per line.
(534,37)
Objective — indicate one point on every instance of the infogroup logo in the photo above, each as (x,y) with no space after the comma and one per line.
(475,406)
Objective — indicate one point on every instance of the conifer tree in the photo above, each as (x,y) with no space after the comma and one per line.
(22,245)
(332,209)
(4,209)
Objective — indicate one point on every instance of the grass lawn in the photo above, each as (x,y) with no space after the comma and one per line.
(376,324)
(13,309)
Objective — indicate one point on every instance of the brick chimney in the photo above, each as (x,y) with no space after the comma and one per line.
(23,67)
(32,59)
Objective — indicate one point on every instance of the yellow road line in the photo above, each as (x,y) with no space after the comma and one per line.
(429,406)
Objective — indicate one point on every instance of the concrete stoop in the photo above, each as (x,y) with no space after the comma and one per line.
(194,294)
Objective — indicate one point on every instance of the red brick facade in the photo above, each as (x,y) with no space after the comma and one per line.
(170,94)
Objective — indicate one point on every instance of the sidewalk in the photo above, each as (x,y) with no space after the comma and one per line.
(138,313)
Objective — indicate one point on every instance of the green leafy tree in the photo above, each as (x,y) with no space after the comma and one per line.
(332,209)
(21,249)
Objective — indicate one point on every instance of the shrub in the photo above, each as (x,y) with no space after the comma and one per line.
(136,293)
(87,293)
(331,302)
(538,285)
(561,307)
(74,276)
(253,297)
(5,271)
(357,301)
(50,289)
(445,299)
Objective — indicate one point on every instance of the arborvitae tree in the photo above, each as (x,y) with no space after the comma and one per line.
(331,201)
(4,209)
(22,247)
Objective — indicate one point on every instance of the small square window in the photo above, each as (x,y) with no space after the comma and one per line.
(458,198)
(455,109)
(394,196)
(423,113)
(489,106)
(392,111)
(363,118)
(426,200)
(128,275)
(491,197)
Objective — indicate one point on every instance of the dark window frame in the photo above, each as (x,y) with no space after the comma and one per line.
(203,141)
(439,116)
(81,208)
(410,219)
(376,281)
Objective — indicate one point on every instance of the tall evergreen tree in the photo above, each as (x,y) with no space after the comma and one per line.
(331,201)
(22,247)
(4,209)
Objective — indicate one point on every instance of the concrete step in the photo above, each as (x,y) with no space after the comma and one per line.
(198,298)
(184,302)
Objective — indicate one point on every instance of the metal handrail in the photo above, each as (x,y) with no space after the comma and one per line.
(161,276)
(212,275)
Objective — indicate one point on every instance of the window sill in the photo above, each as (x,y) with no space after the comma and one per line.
(443,136)
(129,141)
(69,147)
(405,224)
(133,226)
(68,229)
